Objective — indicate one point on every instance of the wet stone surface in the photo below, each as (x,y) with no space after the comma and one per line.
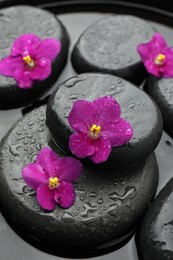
(110,46)
(108,203)
(14,22)
(161,90)
(136,107)
(155,236)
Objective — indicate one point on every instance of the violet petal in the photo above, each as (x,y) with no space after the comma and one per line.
(25,45)
(23,78)
(48,48)
(153,69)
(48,159)
(64,195)
(107,111)
(168,67)
(81,145)
(119,133)
(8,66)
(81,116)
(42,70)
(45,197)
(34,175)
(68,169)
(150,50)
(102,150)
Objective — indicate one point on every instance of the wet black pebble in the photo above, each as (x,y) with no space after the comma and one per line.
(14,22)
(154,239)
(161,90)
(110,46)
(136,107)
(109,203)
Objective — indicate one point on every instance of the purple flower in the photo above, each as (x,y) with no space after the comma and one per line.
(51,177)
(98,127)
(157,57)
(30,59)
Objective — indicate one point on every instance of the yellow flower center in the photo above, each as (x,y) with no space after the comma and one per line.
(94,131)
(53,182)
(29,61)
(159,59)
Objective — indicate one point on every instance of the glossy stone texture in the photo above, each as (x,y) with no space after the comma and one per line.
(108,203)
(136,107)
(110,46)
(155,236)
(19,20)
(161,90)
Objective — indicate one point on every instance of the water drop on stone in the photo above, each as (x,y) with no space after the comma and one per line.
(67,218)
(93,194)
(100,201)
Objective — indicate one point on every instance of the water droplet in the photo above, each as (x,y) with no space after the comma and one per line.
(112,87)
(30,136)
(130,192)
(88,208)
(128,204)
(31,123)
(73,97)
(68,218)
(113,210)
(18,133)
(58,96)
(82,198)
(71,82)
(93,194)
(66,114)
(38,146)
(100,201)
(14,149)
(87,220)
(27,190)
(128,132)
(168,143)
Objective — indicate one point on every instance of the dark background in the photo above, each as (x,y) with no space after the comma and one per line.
(164,5)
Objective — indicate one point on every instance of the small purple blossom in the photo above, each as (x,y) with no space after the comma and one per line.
(98,127)
(30,59)
(157,56)
(51,178)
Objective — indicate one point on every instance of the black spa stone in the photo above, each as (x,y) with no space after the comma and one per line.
(154,239)
(110,46)
(161,90)
(136,107)
(109,203)
(14,22)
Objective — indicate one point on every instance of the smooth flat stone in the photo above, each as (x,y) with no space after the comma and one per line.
(14,22)
(136,107)
(110,46)
(161,90)
(155,236)
(108,203)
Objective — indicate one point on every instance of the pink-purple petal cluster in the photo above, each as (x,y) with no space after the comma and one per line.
(98,127)
(48,166)
(30,59)
(157,56)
